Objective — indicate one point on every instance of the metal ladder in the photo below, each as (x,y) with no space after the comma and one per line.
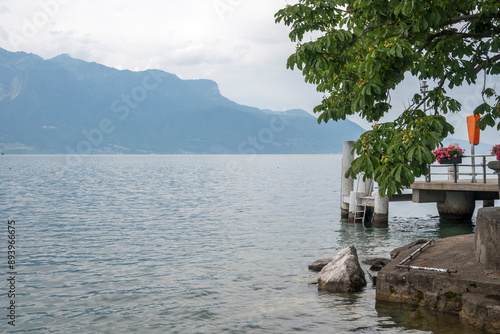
(362,203)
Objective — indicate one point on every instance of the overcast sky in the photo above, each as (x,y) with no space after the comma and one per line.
(233,42)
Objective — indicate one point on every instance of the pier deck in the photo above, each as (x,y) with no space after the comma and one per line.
(434,191)
(491,185)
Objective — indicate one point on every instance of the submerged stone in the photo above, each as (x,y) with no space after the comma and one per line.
(319,264)
(377,264)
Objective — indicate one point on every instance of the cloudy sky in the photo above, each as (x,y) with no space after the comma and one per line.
(234,42)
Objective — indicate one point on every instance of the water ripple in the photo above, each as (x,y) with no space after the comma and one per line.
(191,244)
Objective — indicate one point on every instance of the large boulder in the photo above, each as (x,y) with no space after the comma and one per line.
(343,273)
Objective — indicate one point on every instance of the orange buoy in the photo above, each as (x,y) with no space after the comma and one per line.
(473,129)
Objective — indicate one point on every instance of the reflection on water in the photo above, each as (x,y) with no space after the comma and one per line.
(450,229)
(415,318)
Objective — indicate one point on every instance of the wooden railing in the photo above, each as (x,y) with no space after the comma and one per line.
(454,173)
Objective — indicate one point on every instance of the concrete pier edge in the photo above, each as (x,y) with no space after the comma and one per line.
(472,292)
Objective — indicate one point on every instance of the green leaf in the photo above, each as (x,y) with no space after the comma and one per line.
(486,120)
(418,154)
(397,173)
(409,175)
(481,109)
(489,92)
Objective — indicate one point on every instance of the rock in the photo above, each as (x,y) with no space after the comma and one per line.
(319,264)
(343,273)
(377,264)
(395,252)
(482,311)
(373,277)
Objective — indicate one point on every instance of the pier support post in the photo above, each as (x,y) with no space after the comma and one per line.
(457,206)
(381,210)
(352,206)
(347,184)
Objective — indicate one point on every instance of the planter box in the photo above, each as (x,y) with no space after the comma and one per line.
(452,161)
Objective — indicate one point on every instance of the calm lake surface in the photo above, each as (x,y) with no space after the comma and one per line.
(194,244)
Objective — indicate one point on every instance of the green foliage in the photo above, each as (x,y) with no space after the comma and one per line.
(358,51)
(395,153)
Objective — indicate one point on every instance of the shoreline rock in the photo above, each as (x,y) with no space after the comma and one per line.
(343,273)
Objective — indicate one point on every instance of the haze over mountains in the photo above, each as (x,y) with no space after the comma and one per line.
(66,105)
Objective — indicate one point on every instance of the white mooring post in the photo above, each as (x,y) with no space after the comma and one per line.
(451,168)
(353,197)
(381,210)
(347,184)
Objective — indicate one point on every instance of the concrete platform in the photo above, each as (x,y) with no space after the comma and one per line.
(435,191)
(491,185)
(472,292)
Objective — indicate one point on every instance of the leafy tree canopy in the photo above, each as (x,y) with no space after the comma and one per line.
(364,50)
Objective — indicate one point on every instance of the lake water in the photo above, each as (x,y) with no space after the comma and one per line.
(194,244)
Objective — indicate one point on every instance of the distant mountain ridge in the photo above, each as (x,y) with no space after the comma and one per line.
(67,105)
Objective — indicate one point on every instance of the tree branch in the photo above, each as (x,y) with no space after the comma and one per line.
(415,106)
(468,18)
(479,67)
(463,35)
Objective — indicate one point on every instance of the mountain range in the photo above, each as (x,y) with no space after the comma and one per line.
(66,105)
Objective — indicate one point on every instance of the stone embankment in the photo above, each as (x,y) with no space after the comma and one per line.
(458,275)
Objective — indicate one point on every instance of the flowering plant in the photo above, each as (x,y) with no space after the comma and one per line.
(447,153)
(496,151)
